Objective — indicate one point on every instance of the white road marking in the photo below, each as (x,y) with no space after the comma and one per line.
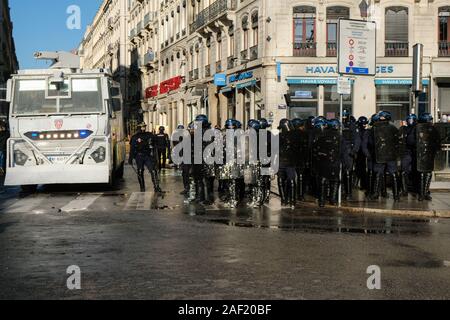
(81,203)
(140,201)
(25,204)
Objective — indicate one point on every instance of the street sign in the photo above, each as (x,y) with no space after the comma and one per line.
(344,85)
(220,79)
(357,47)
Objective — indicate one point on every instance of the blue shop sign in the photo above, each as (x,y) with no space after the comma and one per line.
(220,79)
(240,76)
(406,82)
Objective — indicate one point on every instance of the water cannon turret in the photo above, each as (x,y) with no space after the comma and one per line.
(60,59)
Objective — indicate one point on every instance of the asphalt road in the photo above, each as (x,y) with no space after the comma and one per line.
(130,245)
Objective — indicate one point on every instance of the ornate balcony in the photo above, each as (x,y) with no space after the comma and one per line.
(305,49)
(244,55)
(207,71)
(254,52)
(396,49)
(211,13)
(444,49)
(230,62)
(219,66)
(331,49)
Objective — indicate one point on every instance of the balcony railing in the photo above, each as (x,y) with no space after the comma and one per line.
(212,12)
(193,75)
(244,55)
(304,49)
(148,18)
(230,62)
(331,49)
(254,53)
(396,49)
(132,33)
(444,49)
(219,66)
(207,71)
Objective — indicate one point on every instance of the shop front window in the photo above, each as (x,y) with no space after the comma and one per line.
(395,99)
(331,103)
(303,101)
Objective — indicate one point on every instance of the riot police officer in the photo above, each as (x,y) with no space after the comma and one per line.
(203,180)
(407,150)
(386,144)
(142,149)
(163,145)
(361,161)
(300,140)
(253,177)
(230,172)
(350,146)
(286,173)
(264,125)
(184,167)
(326,150)
(428,143)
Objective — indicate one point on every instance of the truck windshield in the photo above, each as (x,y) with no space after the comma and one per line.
(30,97)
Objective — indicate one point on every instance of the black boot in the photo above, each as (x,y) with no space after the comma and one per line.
(395,189)
(404,184)
(155,180)
(300,188)
(384,193)
(282,190)
(141,180)
(377,178)
(369,186)
(209,197)
(322,191)
(267,187)
(349,185)
(292,193)
(422,186)
(185,185)
(428,178)
(334,192)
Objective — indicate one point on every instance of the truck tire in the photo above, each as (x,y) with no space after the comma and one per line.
(120,171)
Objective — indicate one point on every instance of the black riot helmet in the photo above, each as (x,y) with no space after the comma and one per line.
(204,120)
(254,124)
(264,123)
(297,123)
(285,125)
(230,124)
(362,121)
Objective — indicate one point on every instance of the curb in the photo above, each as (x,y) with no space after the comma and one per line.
(391,212)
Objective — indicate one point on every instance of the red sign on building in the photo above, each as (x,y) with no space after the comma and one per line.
(170,85)
(151,92)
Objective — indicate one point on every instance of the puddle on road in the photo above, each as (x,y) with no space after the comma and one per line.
(311,221)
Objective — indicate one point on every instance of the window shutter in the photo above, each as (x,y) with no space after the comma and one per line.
(396,24)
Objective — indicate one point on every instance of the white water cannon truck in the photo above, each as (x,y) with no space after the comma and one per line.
(66,125)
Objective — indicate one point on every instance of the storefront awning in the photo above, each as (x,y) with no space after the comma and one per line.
(226,89)
(305,80)
(246,84)
(406,82)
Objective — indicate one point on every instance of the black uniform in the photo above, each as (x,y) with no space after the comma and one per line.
(428,143)
(351,142)
(361,167)
(162,143)
(287,174)
(407,135)
(300,141)
(143,151)
(4,136)
(326,151)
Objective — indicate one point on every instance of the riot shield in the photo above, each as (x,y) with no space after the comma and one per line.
(326,153)
(427,138)
(386,142)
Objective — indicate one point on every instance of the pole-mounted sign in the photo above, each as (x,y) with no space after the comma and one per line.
(357,47)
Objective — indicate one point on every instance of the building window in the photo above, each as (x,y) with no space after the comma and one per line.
(331,101)
(245,33)
(304,31)
(303,101)
(395,99)
(444,32)
(333,15)
(396,32)
(255,28)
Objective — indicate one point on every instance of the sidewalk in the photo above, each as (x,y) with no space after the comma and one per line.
(408,206)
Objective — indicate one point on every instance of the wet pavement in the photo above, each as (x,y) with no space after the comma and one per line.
(138,245)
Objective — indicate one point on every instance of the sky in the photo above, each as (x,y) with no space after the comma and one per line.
(41,25)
